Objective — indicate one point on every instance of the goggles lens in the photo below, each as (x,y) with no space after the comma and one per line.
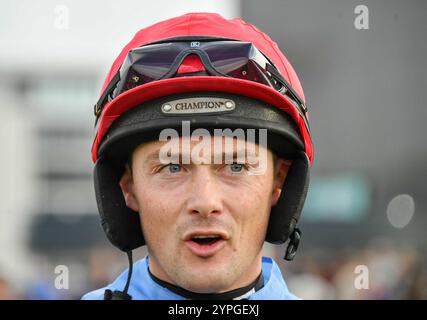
(226,58)
(223,58)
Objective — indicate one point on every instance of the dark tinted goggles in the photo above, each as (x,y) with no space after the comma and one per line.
(227,58)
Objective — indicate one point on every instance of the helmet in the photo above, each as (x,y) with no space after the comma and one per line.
(184,66)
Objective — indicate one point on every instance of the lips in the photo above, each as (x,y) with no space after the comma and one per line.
(205,243)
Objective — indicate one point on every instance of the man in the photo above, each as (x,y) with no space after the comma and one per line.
(202,153)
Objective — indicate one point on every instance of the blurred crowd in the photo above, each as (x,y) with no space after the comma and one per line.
(379,271)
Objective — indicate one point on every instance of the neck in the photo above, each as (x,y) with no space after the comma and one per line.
(236,294)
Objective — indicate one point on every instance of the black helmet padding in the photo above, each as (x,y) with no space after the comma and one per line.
(121,224)
(285,214)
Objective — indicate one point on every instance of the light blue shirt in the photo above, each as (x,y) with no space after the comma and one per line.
(143,287)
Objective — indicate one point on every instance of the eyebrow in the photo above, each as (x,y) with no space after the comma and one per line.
(155,156)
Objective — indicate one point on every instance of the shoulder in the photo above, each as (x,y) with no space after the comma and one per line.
(119,283)
(275,287)
(95,295)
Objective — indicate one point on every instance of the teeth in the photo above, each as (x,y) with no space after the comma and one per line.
(205,237)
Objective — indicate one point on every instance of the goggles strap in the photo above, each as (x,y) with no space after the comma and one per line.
(97,108)
(302,106)
(282,80)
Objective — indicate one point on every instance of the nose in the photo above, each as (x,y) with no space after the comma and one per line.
(205,195)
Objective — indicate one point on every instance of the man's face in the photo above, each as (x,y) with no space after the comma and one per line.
(204,224)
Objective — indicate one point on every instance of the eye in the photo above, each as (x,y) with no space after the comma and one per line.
(236,167)
(173,167)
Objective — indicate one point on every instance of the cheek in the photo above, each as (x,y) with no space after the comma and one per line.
(156,210)
(251,207)
(258,210)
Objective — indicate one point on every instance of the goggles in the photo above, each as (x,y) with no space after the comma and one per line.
(226,58)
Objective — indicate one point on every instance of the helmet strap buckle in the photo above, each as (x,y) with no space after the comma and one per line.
(293,244)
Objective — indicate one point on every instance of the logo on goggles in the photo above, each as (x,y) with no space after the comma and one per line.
(198,105)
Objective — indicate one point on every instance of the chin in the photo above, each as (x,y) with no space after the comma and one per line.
(206,286)
(206,281)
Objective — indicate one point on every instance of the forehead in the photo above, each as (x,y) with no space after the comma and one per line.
(216,145)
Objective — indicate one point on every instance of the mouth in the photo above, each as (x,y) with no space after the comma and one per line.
(205,243)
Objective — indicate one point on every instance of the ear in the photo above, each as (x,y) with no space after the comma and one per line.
(127,186)
(280,172)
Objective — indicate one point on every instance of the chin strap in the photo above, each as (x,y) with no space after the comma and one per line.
(291,249)
(122,295)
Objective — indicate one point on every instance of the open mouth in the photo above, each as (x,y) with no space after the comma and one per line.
(206,240)
(205,244)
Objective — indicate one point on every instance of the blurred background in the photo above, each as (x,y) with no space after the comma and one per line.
(366,210)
